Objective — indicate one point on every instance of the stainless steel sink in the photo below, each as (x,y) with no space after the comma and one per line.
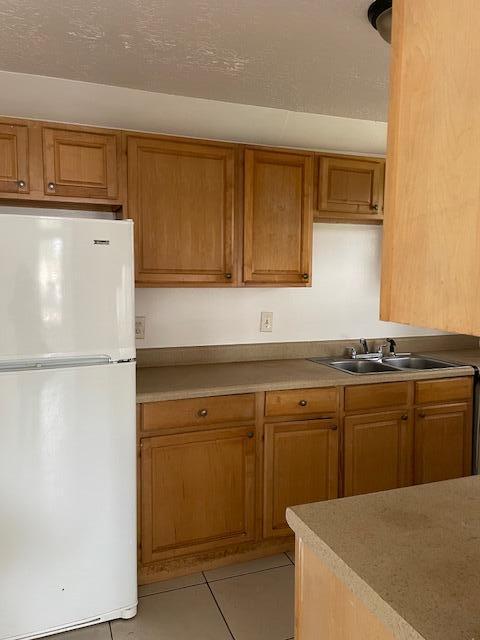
(417,362)
(361,366)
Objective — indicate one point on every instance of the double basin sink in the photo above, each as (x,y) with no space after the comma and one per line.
(386,364)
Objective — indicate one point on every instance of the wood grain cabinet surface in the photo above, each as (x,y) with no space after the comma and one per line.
(181,197)
(301,466)
(14,159)
(198,491)
(81,163)
(378,452)
(278,218)
(431,260)
(350,188)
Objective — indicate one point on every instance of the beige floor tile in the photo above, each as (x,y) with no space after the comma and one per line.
(261,564)
(258,606)
(94,632)
(170,585)
(184,614)
(291,555)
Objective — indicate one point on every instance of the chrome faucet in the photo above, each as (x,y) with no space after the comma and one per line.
(392,346)
(364,344)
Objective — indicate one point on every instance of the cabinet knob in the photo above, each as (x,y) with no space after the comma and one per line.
(405,416)
(305,276)
(250,434)
(202,413)
(375,207)
(334,427)
(422,415)
(303,403)
(51,186)
(228,276)
(21,184)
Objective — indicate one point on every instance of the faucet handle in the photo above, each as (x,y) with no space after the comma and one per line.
(353,353)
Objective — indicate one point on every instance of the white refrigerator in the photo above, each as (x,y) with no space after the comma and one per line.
(67,424)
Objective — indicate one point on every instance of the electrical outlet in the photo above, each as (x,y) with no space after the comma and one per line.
(139,327)
(266,321)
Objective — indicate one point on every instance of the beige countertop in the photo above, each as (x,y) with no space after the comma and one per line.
(200,380)
(411,555)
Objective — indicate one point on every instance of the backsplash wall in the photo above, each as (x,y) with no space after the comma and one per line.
(342,303)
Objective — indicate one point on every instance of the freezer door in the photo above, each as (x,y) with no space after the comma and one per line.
(66,287)
(67,497)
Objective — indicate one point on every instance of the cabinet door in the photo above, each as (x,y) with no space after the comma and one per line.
(181,196)
(350,186)
(378,452)
(14,161)
(443,442)
(278,221)
(301,466)
(80,164)
(198,491)
(431,263)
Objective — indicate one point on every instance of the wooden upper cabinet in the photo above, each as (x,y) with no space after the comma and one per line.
(431,258)
(378,452)
(181,197)
(14,159)
(82,164)
(301,466)
(443,442)
(278,220)
(350,188)
(198,491)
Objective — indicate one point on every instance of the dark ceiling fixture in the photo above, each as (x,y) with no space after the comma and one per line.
(380,16)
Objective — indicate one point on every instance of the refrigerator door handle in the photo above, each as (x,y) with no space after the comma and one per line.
(54,362)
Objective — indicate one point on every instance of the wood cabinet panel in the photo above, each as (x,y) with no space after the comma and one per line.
(81,163)
(301,402)
(301,466)
(181,197)
(447,390)
(14,159)
(198,412)
(198,491)
(278,218)
(432,222)
(443,442)
(378,452)
(350,187)
(376,396)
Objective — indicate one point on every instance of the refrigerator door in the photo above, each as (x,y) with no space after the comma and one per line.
(66,287)
(67,498)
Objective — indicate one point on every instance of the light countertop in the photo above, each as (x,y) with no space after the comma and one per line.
(411,555)
(200,380)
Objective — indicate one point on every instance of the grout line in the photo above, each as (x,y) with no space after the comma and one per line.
(249,573)
(158,593)
(221,612)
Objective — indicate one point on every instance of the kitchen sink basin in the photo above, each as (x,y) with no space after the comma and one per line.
(416,362)
(362,366)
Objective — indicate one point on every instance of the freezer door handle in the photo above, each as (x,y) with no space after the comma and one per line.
(53,363)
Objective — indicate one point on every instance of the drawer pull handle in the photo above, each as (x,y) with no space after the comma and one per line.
(334,427)
(203,413)
(303,403)
(405,416)
(250,434)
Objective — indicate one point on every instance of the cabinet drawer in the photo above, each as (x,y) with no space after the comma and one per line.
(298,402)
(376,396)
(198,412)
(446,390)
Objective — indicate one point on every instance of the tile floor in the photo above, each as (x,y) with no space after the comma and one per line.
(248,601)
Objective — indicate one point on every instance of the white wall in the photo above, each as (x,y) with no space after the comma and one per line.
(344,299)
(342,303)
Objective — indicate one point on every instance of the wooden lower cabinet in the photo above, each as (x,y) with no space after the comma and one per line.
(301,466)
(198,491)
(443,442)
(378,452)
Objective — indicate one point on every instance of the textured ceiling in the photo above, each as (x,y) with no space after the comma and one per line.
(317,56)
